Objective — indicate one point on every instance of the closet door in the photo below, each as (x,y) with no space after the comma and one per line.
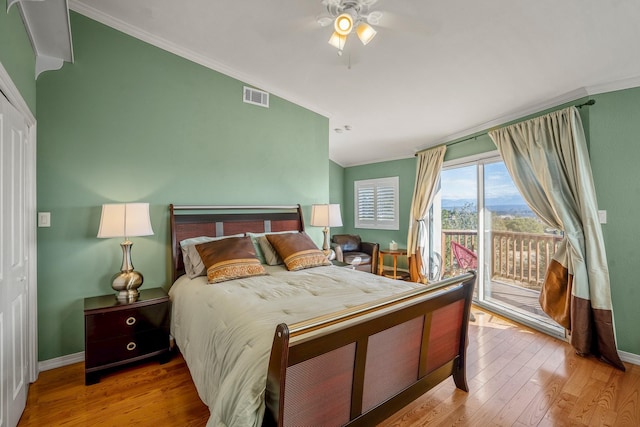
(13,265)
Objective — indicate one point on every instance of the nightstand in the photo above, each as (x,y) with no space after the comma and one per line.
(116,332)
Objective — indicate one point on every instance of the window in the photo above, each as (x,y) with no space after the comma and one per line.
(376,203)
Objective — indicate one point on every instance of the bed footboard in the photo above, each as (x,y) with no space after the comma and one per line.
(359,366)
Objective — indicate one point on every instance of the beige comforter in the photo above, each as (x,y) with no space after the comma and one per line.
(225,331)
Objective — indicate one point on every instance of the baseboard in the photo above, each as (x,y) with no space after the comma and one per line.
(61,361)
(70,359)
(629,357)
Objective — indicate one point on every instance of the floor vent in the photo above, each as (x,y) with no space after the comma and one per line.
(256,97)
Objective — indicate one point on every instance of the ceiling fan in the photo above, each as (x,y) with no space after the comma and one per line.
(350,16)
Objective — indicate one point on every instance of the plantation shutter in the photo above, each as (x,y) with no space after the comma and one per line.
(376,203)
(386,202)
(366,203)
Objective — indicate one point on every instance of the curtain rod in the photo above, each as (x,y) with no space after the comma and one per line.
(449,144)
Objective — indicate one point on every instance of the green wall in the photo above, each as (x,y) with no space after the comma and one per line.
(469,147)
(130,122)
(16,54)
(612,128)
(405,170)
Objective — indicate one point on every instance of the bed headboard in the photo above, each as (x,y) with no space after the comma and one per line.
(209,220)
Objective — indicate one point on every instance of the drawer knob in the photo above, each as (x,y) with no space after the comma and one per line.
(131,346)
(130,321)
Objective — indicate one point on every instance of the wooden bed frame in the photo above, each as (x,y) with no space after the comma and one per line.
(357,366)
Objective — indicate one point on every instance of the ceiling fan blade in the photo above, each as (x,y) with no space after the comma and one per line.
(402,23)
(324,20)
(307,23)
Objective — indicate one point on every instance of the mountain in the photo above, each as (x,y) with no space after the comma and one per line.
(509,205)
(490,202)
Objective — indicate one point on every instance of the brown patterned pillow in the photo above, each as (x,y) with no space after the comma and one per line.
(230,259)
(297,251)
(193,264)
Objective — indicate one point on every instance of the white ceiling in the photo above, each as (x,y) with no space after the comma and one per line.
(436,71)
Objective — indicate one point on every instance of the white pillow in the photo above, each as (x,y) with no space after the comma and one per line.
(264,251)
(256,246)
(270,254)
(193,264)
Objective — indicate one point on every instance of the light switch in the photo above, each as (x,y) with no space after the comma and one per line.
(44,219)
(602,216)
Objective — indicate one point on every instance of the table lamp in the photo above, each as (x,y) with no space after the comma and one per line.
(126,220)
(326,216)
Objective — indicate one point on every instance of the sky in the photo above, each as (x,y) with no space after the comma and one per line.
(461,184)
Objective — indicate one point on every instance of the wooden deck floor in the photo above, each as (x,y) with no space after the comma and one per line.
(517,296)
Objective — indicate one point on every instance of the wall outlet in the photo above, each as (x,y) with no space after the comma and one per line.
(44,219)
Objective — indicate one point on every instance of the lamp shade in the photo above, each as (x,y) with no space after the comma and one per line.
(326,215)
(337,40)
(125,220)
(366,33)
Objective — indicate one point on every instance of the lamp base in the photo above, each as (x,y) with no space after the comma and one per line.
(331,255)
(126,283)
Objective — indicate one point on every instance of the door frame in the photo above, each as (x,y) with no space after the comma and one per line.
(15,98)
(484,159)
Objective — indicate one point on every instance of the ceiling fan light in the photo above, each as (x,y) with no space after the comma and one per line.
(343,24)
(366,33)
(338,41)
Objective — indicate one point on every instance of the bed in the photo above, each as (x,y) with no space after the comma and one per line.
(317,346)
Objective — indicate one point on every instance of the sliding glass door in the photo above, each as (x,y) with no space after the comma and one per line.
(481,222)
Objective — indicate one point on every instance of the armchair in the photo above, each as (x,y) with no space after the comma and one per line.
(350,249)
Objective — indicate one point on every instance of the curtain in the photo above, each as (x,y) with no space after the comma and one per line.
(548,161)
(427,177)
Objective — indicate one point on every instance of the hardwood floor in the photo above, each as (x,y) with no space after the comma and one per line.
(517,377)
(146,394)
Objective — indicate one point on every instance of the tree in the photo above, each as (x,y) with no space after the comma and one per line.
(520,224)
(460,218)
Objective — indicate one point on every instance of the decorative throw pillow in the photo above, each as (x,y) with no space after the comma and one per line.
(297,251)
(230,259)
(193,264)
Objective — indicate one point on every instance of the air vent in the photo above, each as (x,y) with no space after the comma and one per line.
(256,97)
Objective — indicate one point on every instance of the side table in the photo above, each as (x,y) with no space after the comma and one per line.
(386,272)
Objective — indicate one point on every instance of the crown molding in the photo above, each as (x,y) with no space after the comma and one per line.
(628,83)
(373,161)
(176,49)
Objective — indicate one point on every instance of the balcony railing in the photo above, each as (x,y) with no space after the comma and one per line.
(517,258)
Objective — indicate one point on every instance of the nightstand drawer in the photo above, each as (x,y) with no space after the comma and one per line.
(119,332)
(126,323)
(123,348)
